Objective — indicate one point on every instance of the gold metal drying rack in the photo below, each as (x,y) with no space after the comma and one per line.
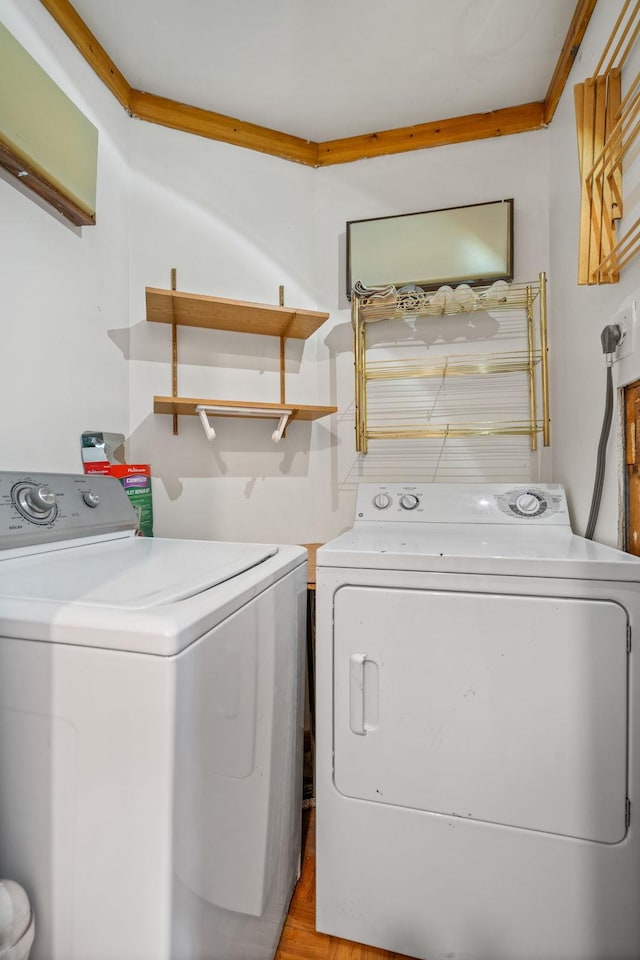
(412,305)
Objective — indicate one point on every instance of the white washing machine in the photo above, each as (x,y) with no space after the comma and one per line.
(478,727)
(150,729)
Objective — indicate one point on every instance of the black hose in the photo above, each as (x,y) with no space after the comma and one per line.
(601,458)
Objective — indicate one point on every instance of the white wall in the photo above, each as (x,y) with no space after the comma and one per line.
(237,224)
(578,314)
(63,290)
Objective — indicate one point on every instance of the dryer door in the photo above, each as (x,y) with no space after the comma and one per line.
(508,709)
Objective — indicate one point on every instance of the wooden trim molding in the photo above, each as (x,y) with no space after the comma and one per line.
(90,48)
(474,126)
(217,126)
(568,54)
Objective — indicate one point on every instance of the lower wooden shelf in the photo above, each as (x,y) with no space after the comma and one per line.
(187,406)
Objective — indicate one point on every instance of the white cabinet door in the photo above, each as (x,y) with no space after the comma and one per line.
(509,709)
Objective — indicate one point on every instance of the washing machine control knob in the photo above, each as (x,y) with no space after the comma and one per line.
(90,498)
(409,501)
(381,501)
(39,499)
(528,504)
(36,502)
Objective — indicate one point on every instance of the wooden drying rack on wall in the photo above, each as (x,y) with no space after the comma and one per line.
(607,125)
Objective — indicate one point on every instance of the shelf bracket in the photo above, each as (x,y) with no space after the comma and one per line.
(272,413)
(276,436)
(174,350)
(209,432)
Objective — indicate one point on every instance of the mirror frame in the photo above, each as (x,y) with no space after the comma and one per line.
(396,236)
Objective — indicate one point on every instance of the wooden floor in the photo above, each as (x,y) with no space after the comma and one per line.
(299,940)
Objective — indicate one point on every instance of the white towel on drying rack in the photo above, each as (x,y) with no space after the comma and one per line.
(387,292)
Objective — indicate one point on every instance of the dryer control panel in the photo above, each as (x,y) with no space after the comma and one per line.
(538,503)
(38,508)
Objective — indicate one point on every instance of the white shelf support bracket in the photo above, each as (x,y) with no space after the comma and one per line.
(276,436)
(209,432)
(204,411)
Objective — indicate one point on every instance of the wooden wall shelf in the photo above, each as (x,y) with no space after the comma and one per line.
(216,313)
(237,316)
(186,406)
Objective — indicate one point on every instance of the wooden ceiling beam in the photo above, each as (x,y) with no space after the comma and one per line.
(90,48)
(568,54)
(217,126)
(474,126)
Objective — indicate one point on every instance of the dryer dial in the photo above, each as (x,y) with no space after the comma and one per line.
(409,501)
(528,503)
(381,501)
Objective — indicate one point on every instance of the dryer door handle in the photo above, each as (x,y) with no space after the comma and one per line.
(356,693)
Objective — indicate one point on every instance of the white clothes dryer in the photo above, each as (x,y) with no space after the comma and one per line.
(150,729)
(477,729)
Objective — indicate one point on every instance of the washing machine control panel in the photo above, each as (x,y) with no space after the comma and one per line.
(43,508)
(463,503)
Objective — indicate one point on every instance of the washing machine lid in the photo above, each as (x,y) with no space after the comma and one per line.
(148,596)
(131,573)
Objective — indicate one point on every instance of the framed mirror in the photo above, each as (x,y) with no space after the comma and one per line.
(471,244)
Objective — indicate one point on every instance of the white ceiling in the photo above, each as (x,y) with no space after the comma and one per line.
(326,69)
